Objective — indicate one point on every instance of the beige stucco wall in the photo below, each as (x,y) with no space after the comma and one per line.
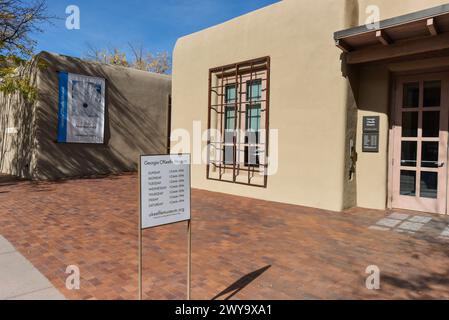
(308,96)
(316,109)
(372,168)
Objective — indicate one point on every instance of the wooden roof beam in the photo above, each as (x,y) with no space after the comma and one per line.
(343,45)
(432,26)
(399,49)
(383,37)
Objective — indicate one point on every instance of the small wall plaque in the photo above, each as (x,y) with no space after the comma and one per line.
(371,134)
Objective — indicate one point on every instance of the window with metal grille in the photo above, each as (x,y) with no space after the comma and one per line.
(238,122)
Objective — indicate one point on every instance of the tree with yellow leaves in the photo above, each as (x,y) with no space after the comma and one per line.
(18,19)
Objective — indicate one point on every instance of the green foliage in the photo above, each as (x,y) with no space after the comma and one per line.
(19,19)
(22,85)
(13,77)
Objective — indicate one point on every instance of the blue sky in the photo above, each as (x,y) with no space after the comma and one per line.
(155,24)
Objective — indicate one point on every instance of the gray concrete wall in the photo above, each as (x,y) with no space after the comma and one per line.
(136,121)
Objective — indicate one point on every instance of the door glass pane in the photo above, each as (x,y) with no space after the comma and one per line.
(432,93)
(410,124)
(429,156)
(431,124)
(429,185)
(408,183)
(411,95)
(408,153)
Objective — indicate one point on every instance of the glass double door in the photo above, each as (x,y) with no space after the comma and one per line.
(421,143)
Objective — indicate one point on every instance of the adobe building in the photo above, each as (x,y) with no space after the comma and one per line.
(361,110)
(88,119)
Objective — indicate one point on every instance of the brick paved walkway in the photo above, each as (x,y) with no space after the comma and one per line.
(256,249)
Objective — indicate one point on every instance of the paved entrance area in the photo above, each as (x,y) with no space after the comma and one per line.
(19,280)
(242,248)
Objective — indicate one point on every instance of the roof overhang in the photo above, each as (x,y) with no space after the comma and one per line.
(410,34)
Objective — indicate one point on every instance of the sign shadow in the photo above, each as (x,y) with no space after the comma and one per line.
(241,283)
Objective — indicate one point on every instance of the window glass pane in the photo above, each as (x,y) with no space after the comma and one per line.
(411,95)
(431,124)
(408,153)
(432,93)
(253,114)
(408,183)
(228,155)
(252,156)
(230,118)
(410,124)
(252,124)
(254,90)
(231,94)
(253,118)
(429,157)
(429,185)
(229,125)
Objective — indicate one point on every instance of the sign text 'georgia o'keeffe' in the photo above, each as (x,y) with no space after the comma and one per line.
(164,189)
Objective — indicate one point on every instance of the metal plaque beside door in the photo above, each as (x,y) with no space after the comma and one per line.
(371,130)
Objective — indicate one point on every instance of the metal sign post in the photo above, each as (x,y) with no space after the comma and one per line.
(164,198)
(139,258)
(189,257)
(140,261)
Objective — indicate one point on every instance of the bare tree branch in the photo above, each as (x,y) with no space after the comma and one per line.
(141,59)
(18,20)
